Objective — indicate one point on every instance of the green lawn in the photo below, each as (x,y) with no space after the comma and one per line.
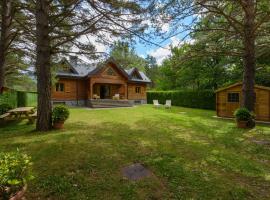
(192,156)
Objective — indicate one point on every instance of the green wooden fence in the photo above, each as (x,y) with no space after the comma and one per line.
(18,98)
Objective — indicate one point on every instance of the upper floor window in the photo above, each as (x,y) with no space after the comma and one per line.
(60,87)
(136,76)
(138,89)
(233,97)
(111,72)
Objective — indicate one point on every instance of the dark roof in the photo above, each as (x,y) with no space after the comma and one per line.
(82,69)
(144,78)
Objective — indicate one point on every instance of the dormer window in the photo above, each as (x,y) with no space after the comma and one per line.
(135,75)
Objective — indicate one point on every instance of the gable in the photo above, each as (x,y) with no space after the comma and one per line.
(64,66)
(136,75)
(111,71)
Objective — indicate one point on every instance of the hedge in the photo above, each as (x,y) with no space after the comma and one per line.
(204,99)
(9,97)
(18,98)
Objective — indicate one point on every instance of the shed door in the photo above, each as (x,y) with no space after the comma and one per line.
(233,102)
(262,105)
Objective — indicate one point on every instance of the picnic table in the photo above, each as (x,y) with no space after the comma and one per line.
(20,113)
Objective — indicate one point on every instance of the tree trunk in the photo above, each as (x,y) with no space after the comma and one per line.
(249,96)
(44,109)
(4,40)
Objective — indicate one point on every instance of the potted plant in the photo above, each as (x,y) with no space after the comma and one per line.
(15,172)
(59,115)
(244,118)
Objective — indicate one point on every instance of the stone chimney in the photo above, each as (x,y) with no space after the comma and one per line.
(73,60)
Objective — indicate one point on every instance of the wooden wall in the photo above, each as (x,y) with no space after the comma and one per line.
(132,95)
(70,92)
(226,109)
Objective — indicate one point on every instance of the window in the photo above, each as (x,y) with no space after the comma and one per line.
(233,97)
(136,76)
(110,72)
(138,89)
(60,87)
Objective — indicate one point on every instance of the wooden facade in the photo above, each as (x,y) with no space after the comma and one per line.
(74,89)
(229,99)
(105,83)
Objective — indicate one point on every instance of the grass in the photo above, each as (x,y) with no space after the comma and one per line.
(191,154)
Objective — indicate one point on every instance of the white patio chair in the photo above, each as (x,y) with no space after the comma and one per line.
(156,104)
(116,97)
(168,104)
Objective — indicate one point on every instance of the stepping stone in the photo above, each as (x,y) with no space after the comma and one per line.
(136,172)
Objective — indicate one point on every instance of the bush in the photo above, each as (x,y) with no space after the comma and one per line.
(9,97)
(15,172)
(18,98)
(204,99)
(243,114)
(4,108)
(60,113)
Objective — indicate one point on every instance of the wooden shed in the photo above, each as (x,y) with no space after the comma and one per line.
(228,99)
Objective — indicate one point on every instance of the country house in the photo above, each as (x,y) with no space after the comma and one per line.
(103,85)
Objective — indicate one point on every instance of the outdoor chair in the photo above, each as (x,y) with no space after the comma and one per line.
(168,104)
(116,97)
(156,104)
(95,96)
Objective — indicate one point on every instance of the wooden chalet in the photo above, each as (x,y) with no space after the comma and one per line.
(228,99)
(107,85)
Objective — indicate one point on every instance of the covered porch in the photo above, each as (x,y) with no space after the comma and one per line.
(108,95)
(109,91)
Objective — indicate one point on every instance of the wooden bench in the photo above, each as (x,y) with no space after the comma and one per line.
(4,119)
(32,118)
(4,116)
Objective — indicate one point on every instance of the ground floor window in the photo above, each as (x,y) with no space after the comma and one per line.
(138,89)
(60,87)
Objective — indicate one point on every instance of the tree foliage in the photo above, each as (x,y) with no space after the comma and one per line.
(243,25)
(126,56)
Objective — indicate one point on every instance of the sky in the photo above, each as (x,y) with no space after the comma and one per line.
(160,51)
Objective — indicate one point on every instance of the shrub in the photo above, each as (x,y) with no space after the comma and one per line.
(9,97)
(243,114)
(204,99)
(4,108)
(60,113)
(15,172)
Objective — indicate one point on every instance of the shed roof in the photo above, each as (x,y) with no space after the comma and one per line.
(240,83)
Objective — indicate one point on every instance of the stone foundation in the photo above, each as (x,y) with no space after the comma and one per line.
(138,102)
(80,103)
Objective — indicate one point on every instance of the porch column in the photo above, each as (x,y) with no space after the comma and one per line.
(91,90)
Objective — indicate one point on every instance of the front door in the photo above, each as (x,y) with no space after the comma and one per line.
(104,91)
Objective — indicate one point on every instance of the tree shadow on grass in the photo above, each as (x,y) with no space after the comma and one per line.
(196,165)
